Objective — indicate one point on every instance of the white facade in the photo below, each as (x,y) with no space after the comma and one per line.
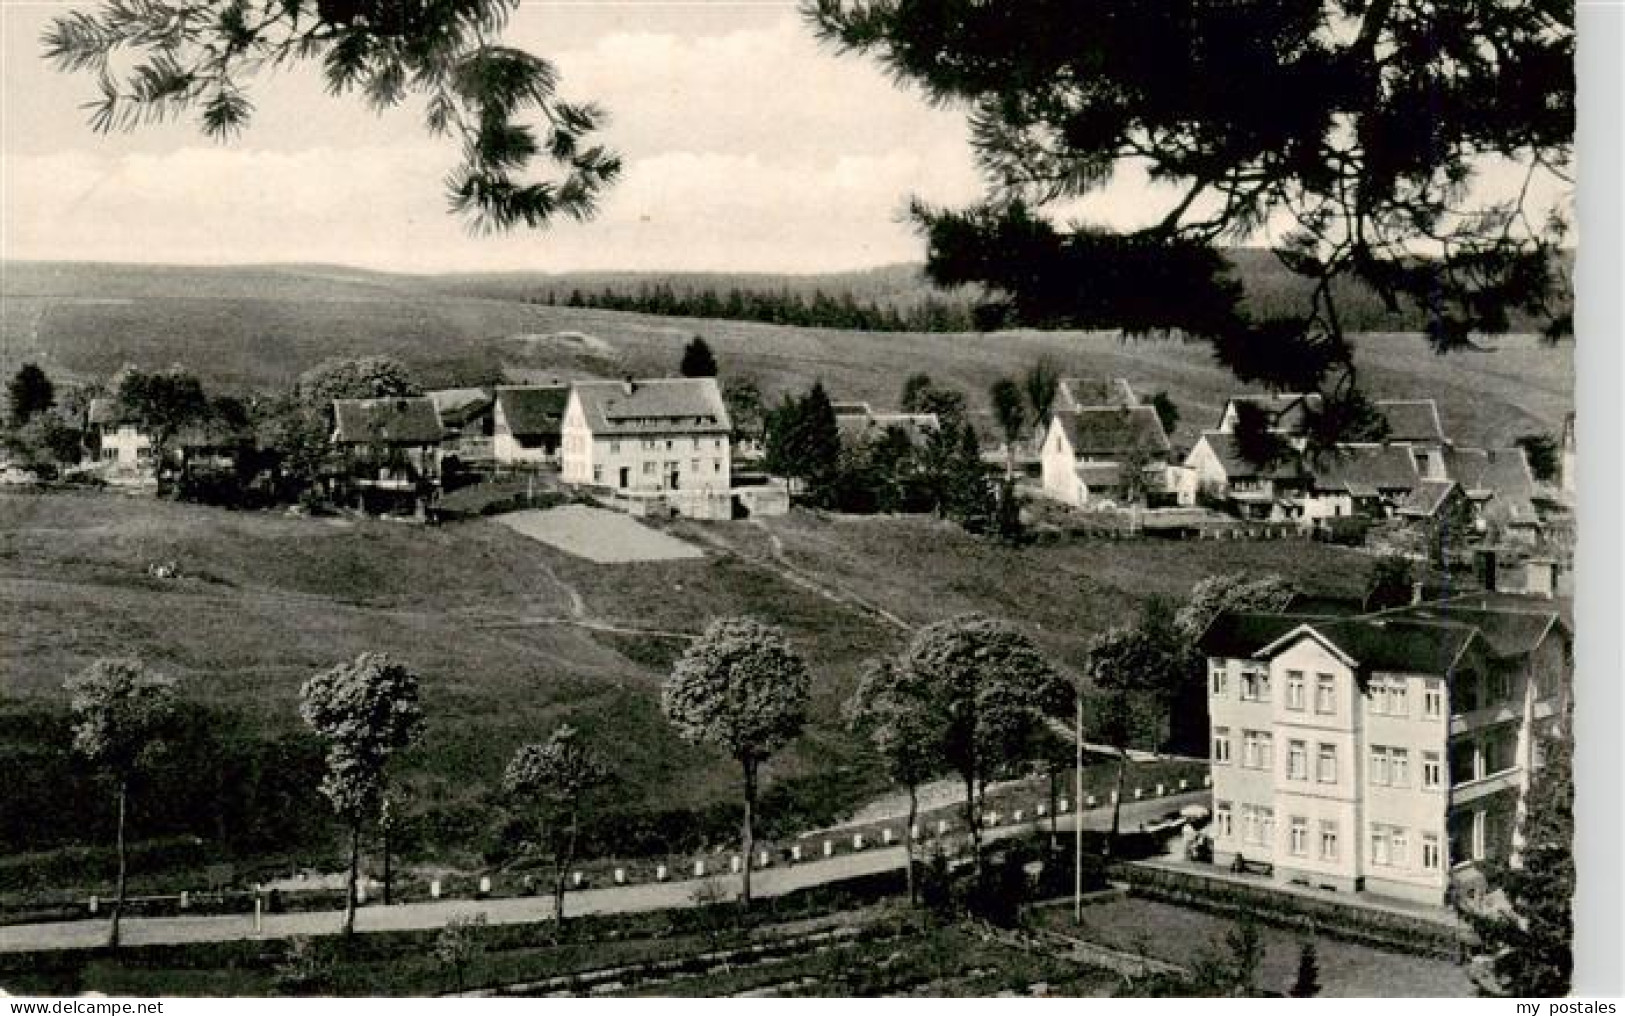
(1058,467)
(507,449)
(660,460)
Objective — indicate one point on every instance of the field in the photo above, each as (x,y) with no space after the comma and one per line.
(512,636)
(257,328)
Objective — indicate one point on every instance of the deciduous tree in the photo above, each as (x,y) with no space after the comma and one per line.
(367,711)
(891,707)
(989,688)
(1356,132)
(741,688)
(559,780)
(164,402)
(121,713)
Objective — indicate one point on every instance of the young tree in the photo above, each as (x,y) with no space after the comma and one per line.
(745,409)
(698,360)
(1530,942)
(457,946)
(891,707)
(154,60)
(1010,409)
(1355,131)
(164,402)
(1040,384)
(804,442)
(1144,662)
(366,377)
(559,779)
(121,712)
(743,689)
(28,393)
(989,688)
(368,712)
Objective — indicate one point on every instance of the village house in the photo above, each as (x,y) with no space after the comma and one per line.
(1387,753)
(1501,487)
(388,449)
(1220,474)
(1090,454)
(1414,424)
(669,434)
(1287,414)
(1366,480)
(466,418)
(527,425)
(122,445)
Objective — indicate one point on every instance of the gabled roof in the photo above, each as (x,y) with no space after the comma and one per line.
(664,406)
(1226,450)
(107,412)
(533,410)
(1509,632)
(1412,420)
(405,419)
(869,426)
(458,406)
(1085,392)
(1501,475)
(1288,407)
(1105,432)
(1406,645)
(1428,497)
(1364,470)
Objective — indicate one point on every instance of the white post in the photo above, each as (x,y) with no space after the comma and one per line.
(829,848)
(620,876)
(660,873)
(94,902)
(885,836)
(1207,781)
(764,859)
(1042,810)
(485,885)
(1138,793)
(992,818)
(795,854)
(857,841)
(1017,816)
(1092,802)
(942,827)
(434,889)
(915,830)
(1063,805)
(259,915)
(360,890)
(186,899)
(1184,784)
(733,864)
(1161,790)
(699,869)
(576,878)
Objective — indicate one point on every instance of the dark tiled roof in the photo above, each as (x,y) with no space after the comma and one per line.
(1084,392)
(1239,635)
(459,406)
(664,406)
(533,411)
(407,420)
(1511,632)
(1364,470)
(1414,420)
(1289,407)
(1501,475)
(1428,497)
(1398,644)
(1112,433)
(1238,468)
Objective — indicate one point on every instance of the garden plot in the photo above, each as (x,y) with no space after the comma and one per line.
(598,535)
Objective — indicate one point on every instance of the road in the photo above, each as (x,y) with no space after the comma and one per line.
(776,881)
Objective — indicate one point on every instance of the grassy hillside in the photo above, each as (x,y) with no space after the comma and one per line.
(248,328)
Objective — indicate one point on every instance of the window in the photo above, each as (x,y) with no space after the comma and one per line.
(1379,846)
(1221,819)
(1432,771)
(1396,845)
(1255,686)
(1266,826)
(1398,697)
(1325,692)
(1218,681)
(717,444)
(648,469)
(1257,750)
(1294,689)
(1465,762)
(1297,761)
(1379,767)
(1495,688)
(1432,700)
(1298,845)
(1326,764)
(668,445)
(597,474)
(1399,767)
(1221,744)
(716,467)
(1328,841)
(1430,851)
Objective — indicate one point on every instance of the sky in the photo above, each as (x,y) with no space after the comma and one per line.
(748,146)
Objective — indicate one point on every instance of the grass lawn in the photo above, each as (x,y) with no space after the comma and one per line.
(1178,935)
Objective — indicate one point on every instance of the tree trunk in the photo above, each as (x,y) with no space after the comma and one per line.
(561,871)
(908,844)
(389,867)
(973,819)
(749,834)
(1054,798)
(1117,802)
(118,892)
(355,873)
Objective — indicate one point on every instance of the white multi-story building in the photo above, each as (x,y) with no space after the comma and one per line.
(669,434)
(123,444)
(1388,753)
